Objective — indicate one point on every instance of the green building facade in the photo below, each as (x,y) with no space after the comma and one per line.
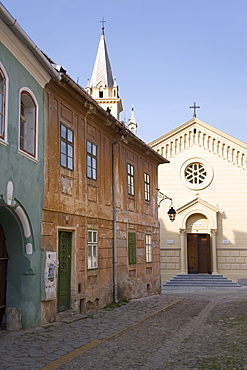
(23,75)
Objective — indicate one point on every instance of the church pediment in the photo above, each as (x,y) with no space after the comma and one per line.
(199,133)
(197,206)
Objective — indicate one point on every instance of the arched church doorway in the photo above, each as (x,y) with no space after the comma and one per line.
(198,252)
(3,273)
(198,244)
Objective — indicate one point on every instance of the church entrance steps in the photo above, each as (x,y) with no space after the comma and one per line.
(200,280)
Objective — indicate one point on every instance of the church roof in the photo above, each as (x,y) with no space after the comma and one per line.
(204,127)
(196,132)
(102,71)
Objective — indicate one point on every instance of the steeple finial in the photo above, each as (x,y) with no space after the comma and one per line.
(103,26)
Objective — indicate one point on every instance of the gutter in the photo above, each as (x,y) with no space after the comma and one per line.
(25,39)
(119,125)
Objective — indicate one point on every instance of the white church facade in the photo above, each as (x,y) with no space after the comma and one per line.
(207,181)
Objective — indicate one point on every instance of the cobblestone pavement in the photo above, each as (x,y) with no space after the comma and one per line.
(180,329)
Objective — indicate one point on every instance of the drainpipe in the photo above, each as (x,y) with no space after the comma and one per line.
(114,198)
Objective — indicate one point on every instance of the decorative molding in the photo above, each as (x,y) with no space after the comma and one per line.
(196,132)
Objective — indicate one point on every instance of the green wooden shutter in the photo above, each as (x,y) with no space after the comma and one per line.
(132,248)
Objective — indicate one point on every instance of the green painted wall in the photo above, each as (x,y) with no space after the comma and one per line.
(24,270)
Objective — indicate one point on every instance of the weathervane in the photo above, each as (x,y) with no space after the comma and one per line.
(195,108)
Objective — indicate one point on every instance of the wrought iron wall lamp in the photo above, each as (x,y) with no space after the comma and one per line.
(171,213)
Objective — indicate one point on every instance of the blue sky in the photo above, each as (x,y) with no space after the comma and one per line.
(165,55)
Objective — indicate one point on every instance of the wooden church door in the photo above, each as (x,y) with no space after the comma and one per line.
(3,273)
(198,247)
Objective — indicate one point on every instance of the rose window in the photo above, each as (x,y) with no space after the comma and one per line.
(195,173)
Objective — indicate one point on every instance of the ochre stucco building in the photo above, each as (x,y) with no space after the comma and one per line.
(100,229)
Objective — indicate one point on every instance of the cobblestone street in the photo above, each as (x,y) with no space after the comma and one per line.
(181,329)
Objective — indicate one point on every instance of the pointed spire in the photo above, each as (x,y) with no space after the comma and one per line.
(102,71)
(102,86)
(132,125)
(132,116)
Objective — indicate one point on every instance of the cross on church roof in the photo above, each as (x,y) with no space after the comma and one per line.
(103,26)
(195,108)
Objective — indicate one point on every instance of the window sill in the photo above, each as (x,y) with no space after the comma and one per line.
(90,181)
(66,172)
(28,156)
(132,267)
(92,272)
(3,142)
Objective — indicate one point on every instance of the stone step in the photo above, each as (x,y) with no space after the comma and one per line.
(200,282)
(197,280)
(198,276)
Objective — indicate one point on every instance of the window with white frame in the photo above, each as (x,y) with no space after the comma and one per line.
(66,147)
(28,123)
(148,246)
(91,160)
(130,172)
(92,249)
(3,99)
(147,187)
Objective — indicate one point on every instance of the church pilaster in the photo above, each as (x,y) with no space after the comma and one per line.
(213,251)
(183,246)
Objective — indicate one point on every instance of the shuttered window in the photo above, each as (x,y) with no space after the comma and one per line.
(132,248)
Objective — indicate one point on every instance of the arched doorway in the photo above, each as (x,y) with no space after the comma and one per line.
(198,244)
(21,292)
(198,226)
(3,273)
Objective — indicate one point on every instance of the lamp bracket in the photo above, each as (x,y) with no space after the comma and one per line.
(162,197)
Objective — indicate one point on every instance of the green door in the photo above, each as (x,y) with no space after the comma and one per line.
(64,271)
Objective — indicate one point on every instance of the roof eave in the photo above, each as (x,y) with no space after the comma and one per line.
(122,129)
(25,39)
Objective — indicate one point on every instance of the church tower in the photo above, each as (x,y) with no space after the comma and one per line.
(102,86)
(132,125)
